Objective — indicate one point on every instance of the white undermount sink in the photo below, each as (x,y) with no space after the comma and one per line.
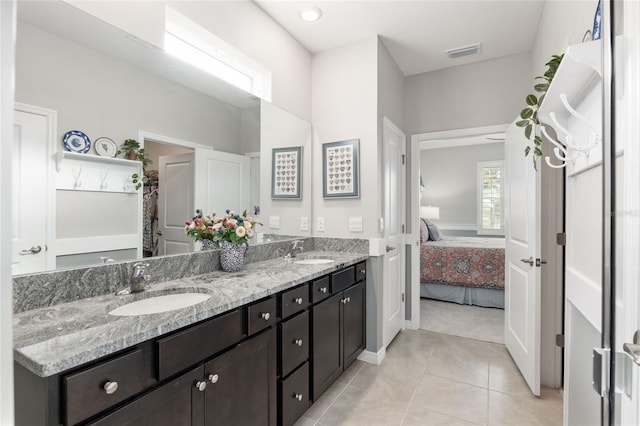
(318,261)
(157,304)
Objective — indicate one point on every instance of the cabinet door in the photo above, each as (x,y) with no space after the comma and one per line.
(353,318)
(327,344)
(241,384)
(177,403)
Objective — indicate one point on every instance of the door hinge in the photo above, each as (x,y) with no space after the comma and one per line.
(561,238)
(560,340)
(403,297)
(403,229)
(404,158)
(600,376)
(623,372)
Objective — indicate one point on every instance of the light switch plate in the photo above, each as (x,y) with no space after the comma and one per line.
(355,224)
(304,223)
(320,224)
(274,222)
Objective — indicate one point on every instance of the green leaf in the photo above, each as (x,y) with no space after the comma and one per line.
(528,130)
(542,87)
(537,151)
(527,150)
(526,113)
(541,98)
(535,163)
(522,123)
(532,100)
(537,140)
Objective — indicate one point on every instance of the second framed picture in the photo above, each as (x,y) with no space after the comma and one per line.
(340,169)
(286,173)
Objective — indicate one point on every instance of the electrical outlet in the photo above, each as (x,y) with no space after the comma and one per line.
(304,223)
(320,224)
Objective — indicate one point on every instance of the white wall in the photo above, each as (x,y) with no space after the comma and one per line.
(562,23)
(450,179)
(7,39)
(474,95)
(344,95)
(242,24)
(102,96)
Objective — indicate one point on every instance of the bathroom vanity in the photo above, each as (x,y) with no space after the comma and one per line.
(265,345)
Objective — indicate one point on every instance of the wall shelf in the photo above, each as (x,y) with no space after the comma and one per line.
(67,155)
(84,172)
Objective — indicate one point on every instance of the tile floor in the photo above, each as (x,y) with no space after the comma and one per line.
(434,379)
(455,319)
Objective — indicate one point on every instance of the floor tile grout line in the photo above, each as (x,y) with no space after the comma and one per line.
(338,396)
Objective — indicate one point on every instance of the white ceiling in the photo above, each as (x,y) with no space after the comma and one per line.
(416,33)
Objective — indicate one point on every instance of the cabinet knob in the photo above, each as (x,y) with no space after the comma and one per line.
(346,300)
(213,378)
(363,271)
(297,396)
(265,316)
(298,342)
(323,289)
(201,385)
(298,300)
(110,387)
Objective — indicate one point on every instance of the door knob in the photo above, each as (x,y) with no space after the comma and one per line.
(32,250)
(633,349)
(159,232)
(389,248)
(530,261)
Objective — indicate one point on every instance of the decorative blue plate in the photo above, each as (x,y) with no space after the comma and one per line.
(105,147)
(76,141)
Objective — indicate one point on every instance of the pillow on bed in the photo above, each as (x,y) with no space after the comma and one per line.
(434,232)
(424,231)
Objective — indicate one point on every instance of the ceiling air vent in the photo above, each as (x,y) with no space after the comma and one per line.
(463,51)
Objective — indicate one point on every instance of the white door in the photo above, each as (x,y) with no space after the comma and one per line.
(175,203)
(222,181)
(394,142)
(32,188)
(522,246)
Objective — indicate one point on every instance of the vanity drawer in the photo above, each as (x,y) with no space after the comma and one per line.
(294,300)
(361,271)
(320,290)
(294,342)
(188,347)
(343,279)
(94,389)
(261,315)
(294,395)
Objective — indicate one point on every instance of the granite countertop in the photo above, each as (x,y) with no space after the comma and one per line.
(50,340)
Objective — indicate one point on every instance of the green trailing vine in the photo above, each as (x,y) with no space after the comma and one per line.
(529,115)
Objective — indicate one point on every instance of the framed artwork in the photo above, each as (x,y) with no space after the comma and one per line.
(340,169)
(286,173)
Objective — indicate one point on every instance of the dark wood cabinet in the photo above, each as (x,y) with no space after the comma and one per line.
(338,328)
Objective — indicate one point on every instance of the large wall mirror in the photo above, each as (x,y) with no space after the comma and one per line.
(211,145)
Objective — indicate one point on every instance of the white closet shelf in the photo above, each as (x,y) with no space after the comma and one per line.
(66,155)
(578,72)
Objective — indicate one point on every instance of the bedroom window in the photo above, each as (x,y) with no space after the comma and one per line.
(490,196)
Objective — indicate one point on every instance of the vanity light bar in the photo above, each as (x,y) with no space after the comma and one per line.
(464,51)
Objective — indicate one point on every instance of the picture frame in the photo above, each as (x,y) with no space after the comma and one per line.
(341,169)
(286,173)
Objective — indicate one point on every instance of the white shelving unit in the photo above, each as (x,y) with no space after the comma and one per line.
(87,172)
(572,107)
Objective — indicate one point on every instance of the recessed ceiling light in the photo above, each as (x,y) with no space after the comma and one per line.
(311,14)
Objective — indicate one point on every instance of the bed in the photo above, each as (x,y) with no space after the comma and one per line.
(465,270)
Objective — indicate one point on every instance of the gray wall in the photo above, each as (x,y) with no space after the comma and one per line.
(474,95)
(450,179)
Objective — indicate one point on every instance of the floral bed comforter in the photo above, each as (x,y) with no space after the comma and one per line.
(470,262)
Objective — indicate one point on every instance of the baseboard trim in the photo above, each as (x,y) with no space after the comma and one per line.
(409,325)
(373,357)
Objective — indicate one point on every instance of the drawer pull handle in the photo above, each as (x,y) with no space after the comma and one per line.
(265,316)
(213,378)
(110,387)
(323,289)
(201,385)
(297,396)
(298,300)
(298,342)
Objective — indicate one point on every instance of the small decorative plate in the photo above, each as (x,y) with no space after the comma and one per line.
(76,141)
(105,147)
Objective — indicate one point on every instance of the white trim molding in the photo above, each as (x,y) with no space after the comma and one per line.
(461,137)
(373,357)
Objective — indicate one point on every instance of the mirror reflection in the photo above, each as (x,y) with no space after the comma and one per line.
(209,144)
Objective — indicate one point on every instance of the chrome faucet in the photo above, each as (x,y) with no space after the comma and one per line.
(138,279)
(295,245)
